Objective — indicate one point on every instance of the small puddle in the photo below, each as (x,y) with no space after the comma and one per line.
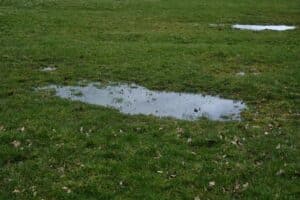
(48,69)
(263,27)
(134,99)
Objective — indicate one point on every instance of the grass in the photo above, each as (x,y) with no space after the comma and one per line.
(56,149)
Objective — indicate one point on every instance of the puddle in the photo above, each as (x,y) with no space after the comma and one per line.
(48,69)
(133,99)
(263,27)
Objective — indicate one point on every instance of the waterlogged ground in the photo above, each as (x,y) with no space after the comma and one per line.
(133,99)
(54,148)
(263,27)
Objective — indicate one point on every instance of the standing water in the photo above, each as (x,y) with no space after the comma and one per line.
(263,27)
(134,99)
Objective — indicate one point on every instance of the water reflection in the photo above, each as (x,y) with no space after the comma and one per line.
(134,99)
(263,27)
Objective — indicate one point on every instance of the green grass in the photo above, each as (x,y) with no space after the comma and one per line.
(71,150)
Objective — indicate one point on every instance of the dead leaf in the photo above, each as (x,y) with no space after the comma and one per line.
(197,198)
(280,172)
(68,190)
(236,141)
(158,155)
(212,183)
(278,146)
(16,191)
(173,176)
(16,143)
(245,185)
(237,186)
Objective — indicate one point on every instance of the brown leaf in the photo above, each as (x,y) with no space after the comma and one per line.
(16,143)
(280,172)
(197,198)
(212,183)
(68,190)
(16,191)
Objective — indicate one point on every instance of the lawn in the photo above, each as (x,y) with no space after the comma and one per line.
(52,148)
